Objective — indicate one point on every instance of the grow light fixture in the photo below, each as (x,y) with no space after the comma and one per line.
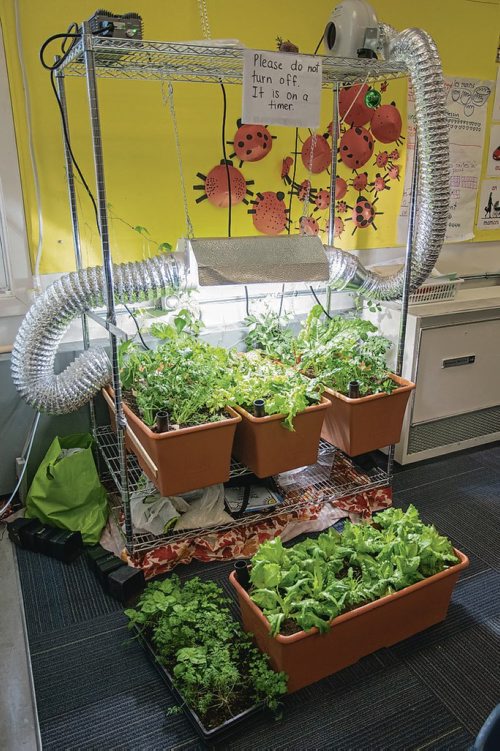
(250,260)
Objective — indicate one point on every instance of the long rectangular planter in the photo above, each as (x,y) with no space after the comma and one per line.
(209,735)
(309,656)
(357,426)
(267,448)
(181,460)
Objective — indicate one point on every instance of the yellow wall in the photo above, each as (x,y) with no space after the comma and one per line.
(140,159)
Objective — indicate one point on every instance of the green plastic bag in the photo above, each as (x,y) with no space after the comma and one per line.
(66,491)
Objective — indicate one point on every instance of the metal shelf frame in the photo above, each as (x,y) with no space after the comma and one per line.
(95,57)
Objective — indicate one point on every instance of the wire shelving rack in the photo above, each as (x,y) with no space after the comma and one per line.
(94,57)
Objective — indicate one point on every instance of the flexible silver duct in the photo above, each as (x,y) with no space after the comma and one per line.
(416,49)
(38,338)
(40,333)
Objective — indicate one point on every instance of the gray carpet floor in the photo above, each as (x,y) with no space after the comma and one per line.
(97,691)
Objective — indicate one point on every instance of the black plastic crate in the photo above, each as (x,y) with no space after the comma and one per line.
(210,736)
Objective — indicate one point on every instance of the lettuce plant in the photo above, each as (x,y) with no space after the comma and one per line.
(316,580)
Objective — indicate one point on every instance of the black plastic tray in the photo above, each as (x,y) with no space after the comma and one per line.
(215,734)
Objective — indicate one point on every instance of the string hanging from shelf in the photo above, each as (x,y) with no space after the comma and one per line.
(168,96)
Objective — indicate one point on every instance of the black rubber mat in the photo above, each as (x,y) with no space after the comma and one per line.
(96,691)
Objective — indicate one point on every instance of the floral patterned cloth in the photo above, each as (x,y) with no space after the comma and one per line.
(314,514)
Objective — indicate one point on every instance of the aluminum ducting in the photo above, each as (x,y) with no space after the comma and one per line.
(40,333)
(38,338)
(416,49)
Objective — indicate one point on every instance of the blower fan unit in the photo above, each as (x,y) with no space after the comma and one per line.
(352,30)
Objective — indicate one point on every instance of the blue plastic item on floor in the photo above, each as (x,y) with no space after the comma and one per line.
(488,738)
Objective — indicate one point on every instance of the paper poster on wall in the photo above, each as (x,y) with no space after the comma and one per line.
(281,88)
(466,102)
(489,205)
(496,105)
(493,168)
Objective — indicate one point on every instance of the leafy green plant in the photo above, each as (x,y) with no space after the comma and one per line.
(285,390)
(335,351)
(314,581)
(270,333)
(213,662)
(184,376)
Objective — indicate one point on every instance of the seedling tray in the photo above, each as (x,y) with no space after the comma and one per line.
(210,736)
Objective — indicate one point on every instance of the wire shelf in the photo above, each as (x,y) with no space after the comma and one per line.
(319,484)
(145,60)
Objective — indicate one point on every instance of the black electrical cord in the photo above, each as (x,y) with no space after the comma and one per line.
(319,43)
(70,150)
(292,186)
(247,301)
(327,314)
(224,115)
(136,326)
(281,300)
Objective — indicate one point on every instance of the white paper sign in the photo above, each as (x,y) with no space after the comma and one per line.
(488,216)
(466,102)
(493,168)
(281,88)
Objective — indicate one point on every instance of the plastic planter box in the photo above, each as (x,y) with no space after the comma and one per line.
(267,448)
(309,656)
(181,460)
(214,734)
(356,426)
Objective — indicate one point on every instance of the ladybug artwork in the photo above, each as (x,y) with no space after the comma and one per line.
(356,147)
(360,182)
(338,227)
(380,183)
(496,155)
(216,186)
(340,188)
(352,107)
(363,214)
(270,215)
(393,172)
(322,200)
(251,143)
(308,226)
(286,166)
(316,154)
(386,124)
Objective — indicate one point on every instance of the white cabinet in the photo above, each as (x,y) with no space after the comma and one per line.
(453,354)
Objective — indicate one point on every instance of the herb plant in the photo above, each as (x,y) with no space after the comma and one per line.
(183,375)
(314,581)
(285,390)
(212,660)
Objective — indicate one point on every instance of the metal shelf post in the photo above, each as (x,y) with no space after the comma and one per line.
(59,76)
(121,425)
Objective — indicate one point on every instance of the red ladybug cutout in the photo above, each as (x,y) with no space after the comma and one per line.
(308,226)
(340,188)
(356,147)
(321,154)
(360,182)
(352,107)
(386,124)
(270,215)
(216,187)
(363,214)
(251,143)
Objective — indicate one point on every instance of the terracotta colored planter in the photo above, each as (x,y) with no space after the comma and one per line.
(181,460)
(267,448)
(309,656)
(356,426)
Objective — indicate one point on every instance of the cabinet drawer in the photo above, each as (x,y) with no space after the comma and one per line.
(458,370)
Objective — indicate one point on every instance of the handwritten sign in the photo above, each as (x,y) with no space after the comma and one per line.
(281,88)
